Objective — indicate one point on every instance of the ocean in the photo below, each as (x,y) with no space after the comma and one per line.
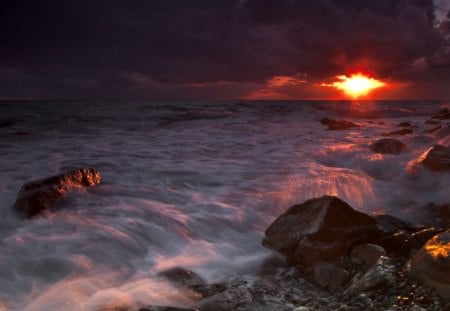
(189,184)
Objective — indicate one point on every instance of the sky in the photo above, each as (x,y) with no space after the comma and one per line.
(222,49)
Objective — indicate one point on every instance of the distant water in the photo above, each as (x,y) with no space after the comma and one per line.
(187,184)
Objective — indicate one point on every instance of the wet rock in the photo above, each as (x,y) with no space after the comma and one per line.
(419,238)
(431,264)
(329,277)
(432,122)
(444,114)
(183,277)
(239,298)
(165,308)
(404,124)
(390,224)
(388,146)
(399,132)
(436,158)
(379,275)
(40,195)
(335,125)
(320,229)
(396,242)
(367,253)
(434,129)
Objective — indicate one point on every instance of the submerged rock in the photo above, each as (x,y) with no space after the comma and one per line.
(399,132)
(335,125)
(183,277)
(404,124)
(320,229)
(37,196)
(431,264)
(388,146)
(436,158)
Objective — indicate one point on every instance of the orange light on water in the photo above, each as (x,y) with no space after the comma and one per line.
(356,85)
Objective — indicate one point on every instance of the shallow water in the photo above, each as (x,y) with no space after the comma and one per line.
(187,184)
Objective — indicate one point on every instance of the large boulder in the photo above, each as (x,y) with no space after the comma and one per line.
(437,158)
(388,146)
(431,264)
(320,229)
(40,195)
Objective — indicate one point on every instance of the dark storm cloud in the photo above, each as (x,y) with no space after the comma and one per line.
(126,48)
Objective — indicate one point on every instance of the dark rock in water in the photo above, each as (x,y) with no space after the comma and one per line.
(397,242)
(436,158)
(367,253)
(388,146)
(335,125)
(40,195)
(399,132)
(444,114)
(379,275)
(165,308)
(183,277)
(431,264)
(432,122)
(404,124)
(320,229)
(390,224)
(329,277)
(434,129)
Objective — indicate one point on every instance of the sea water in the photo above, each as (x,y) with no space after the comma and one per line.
(188,184)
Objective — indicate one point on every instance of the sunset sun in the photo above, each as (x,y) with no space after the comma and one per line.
(356,85)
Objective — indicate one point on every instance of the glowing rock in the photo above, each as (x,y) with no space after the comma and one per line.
(431,264)
(40,195)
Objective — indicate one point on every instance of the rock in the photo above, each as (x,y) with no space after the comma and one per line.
(419,238)
(434,129)
(432,122)
(320,229)
(329,277)
(388,146)
(165,308)
(399,132)
(431,264)
(335,125)
(40,195)
(377,276)
(436,158)
(367,253)
(444,114)
(390,224)
(396,242)
(183,277)
(404,124)
(233,299)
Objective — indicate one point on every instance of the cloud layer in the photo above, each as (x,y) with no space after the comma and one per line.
(214,49)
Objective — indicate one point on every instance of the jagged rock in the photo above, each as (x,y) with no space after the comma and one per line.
(431,264)
(320,229)
(388,146)
(233,299)
(40,195)
(335,125)
(379,275)
(399,132)
(437,158)
(367,253)
(183,277)
(404,124)
(329,277)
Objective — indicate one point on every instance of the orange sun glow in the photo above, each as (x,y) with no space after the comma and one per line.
(356,85)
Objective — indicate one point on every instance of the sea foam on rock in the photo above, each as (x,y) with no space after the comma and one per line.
(320,229)
(37,196)
(436,158)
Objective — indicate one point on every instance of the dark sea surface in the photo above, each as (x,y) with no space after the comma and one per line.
(190,184)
